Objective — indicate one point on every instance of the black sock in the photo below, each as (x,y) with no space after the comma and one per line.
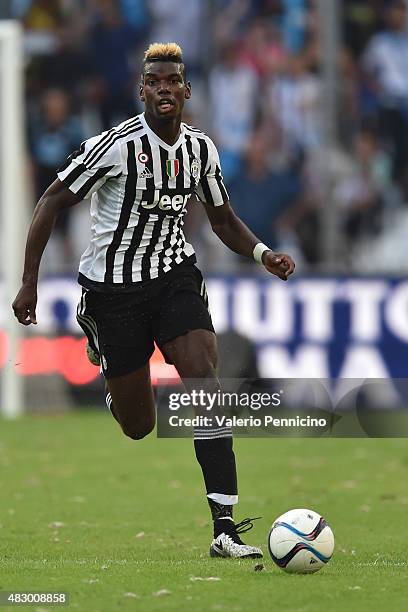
(219,511)
(223,525)
(222,517)
(217,460)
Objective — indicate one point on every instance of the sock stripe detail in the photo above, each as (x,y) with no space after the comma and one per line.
(211,429)
(214,436)
(108,399)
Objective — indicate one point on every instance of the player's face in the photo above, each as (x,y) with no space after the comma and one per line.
(164,90)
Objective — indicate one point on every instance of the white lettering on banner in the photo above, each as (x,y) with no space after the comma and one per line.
(277,323)
(365,297)
(363,362)
(306,362)
(292,324)
(317,297)
(396,311)
(218,293)
(50,292)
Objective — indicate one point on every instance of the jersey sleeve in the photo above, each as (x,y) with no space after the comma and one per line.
(211,189)
(88,168)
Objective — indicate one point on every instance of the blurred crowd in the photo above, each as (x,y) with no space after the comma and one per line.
(259,92)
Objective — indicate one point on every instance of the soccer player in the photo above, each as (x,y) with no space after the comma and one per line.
(139,279)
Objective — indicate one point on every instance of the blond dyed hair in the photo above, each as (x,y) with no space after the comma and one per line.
(164,52)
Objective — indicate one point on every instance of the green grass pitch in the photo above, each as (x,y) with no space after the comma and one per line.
(124,525)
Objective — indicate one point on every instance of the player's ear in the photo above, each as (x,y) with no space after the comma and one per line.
(187,91)
(141,91)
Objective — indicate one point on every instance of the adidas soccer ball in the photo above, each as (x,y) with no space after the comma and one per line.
(300,541)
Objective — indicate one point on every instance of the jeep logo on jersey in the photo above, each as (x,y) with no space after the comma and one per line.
(167,202)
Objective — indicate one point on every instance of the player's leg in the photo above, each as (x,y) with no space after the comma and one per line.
(130,399)
(120,341)
(136,419)
(184,332)
(194,355)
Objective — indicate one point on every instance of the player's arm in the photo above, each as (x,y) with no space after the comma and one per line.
(97,160)
(51,202)
(238,237)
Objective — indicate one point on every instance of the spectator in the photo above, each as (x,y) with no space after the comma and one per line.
(137,14)
(295,102)
(111,42)
(15,9)
(385,61)
(60,69)
(231,19)
(361,18)
(54,134)
(42,20)
(262,48)
(184,22)
(233,97)
(262,191)
(362,192)
(294,24)
(43,15)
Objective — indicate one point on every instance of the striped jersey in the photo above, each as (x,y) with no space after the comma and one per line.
(139,188)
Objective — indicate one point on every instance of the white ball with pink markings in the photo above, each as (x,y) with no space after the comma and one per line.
(301,541)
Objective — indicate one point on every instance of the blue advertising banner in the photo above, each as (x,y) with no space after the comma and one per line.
(318,327)
(307,327)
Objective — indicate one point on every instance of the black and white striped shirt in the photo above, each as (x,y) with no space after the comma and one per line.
(140,187)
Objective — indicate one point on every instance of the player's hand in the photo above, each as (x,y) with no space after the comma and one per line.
(24,305)
(279,264)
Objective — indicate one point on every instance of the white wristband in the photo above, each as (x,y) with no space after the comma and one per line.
(259,250)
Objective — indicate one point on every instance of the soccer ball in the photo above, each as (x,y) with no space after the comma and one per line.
(300,541)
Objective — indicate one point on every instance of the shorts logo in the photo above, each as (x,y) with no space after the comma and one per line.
(195,168)
(172,167)
(143,158)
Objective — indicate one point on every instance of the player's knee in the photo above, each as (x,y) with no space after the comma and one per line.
(139,430)
(137,433)
(203,367)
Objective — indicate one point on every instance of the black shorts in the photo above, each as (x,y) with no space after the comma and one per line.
(123,327)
